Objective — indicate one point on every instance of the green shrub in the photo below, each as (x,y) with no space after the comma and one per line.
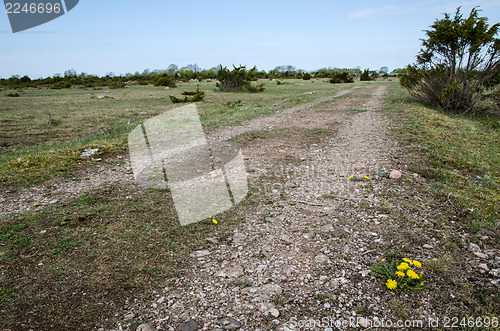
(12,94)
(365,76)
(237,80)
(61,85)
(117,84)
(254,89)
(306,76)
(342,77)
(197,96)
(162,81)
(197,91)
(231,81)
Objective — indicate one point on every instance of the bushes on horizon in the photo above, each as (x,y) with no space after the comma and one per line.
(164,81)
(61,85)
(306,76)
(342,77)
(365,76)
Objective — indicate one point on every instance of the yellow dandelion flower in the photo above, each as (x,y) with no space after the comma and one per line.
(383,260)
(400,273)
(36,204)
(214,221)
(357,173)
(412,274)
(351,177)
(366,177)
(421,284)
(417,264)
(403,266)
(391,284)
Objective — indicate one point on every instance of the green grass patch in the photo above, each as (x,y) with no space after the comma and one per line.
(460,155)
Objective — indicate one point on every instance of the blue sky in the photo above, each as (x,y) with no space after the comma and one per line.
(129,35)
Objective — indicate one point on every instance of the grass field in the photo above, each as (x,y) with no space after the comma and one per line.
(75,263)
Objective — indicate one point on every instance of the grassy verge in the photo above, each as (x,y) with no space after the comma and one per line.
(459,154)
(74,265)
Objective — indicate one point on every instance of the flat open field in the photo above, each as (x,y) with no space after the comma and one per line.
(83,247)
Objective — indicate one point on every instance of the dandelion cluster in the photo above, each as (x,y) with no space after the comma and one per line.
(405,275)
(400,274)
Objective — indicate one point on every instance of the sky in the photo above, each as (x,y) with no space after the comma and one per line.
(122,36)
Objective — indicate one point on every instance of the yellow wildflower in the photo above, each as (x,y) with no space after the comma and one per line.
(366,177)
(408,261)
(351,177)
(214,221)
(412,274)
(391,284)
(400,273)
(417,264)
(403,266)
(421,284)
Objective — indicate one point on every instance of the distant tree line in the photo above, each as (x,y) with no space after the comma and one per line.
(168,77)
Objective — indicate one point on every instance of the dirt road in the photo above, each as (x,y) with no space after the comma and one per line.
(304,254)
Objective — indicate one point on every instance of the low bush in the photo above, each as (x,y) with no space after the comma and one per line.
(12,94)
(197,96)
(342,77)
(163,81)
(61,85)
(254,89)
(233,104)
(365,76)
(306,76)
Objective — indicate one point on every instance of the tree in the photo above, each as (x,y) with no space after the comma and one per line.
(384,70)
(458,60)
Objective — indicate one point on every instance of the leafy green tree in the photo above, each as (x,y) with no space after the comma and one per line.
(458,60)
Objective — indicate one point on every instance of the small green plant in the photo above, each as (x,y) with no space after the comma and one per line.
(233,104)
(12,94)
(197,97)
(254,89)
(400,274)
(195,92)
